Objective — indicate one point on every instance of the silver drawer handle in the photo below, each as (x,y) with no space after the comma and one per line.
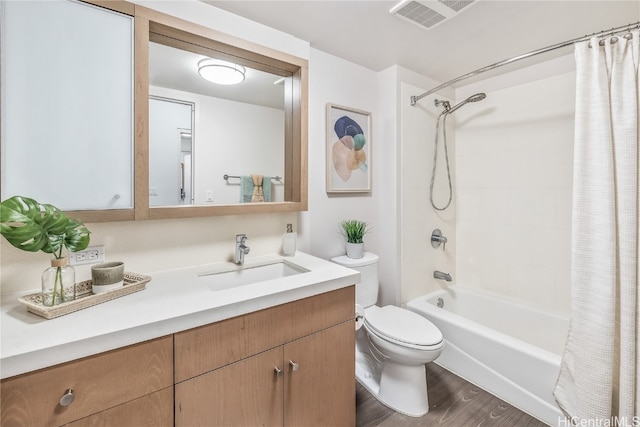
(278,372)
(67,397)
(294,365)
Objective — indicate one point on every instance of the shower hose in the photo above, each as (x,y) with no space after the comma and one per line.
(435,157)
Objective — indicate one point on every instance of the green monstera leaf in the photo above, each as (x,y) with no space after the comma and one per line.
(33,226)
(76,237)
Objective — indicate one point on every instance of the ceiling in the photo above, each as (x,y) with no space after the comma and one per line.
(487,31)
(177,69)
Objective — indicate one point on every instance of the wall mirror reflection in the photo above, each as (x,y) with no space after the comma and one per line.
(236,147)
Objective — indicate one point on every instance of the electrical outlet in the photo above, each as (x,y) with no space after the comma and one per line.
(90,255)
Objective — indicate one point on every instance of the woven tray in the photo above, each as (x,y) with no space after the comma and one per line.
(84,297)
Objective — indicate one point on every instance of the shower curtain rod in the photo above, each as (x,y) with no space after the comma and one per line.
(415,99)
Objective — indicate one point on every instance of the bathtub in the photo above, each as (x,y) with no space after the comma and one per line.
(509,349)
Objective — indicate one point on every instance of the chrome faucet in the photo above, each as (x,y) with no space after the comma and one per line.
(241,248)
(437,238)
(442,276)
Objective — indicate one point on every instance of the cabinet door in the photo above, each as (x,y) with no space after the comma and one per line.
(320,388)
(245,393)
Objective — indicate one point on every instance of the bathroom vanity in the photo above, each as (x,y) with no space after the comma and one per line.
(272,352)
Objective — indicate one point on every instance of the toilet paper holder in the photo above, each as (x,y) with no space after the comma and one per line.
(359,319)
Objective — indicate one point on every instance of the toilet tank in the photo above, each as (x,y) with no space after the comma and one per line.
(367,289)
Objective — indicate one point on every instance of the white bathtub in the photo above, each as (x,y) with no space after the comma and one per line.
(509,349)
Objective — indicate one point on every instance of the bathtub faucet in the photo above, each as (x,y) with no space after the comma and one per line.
(442,276)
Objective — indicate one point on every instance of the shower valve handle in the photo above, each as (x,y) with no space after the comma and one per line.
(437,238)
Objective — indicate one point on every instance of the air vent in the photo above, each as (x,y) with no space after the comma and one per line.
(428,13)
(456,5)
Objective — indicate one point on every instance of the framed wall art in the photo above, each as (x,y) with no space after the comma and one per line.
(348,150)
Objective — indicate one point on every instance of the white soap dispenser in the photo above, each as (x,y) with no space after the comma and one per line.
(289,241)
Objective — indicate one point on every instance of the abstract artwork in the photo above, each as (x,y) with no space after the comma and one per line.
(348,150)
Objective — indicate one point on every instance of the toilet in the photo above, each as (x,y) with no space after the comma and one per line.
(392,346)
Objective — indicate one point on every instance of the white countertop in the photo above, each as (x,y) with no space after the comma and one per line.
(174,300)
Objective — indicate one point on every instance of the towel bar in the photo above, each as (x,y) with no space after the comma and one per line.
(226,177)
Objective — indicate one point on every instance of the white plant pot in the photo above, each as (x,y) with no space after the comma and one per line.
(355,250)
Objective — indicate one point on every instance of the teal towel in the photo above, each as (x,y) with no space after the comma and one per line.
(266,188)
(246,188)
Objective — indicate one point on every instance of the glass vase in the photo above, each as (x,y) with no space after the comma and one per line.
(58,283)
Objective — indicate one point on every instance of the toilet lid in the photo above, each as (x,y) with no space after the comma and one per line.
(401,325)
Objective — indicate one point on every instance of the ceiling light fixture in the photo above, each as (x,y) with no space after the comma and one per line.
(221,72)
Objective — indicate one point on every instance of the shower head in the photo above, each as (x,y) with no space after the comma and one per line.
(473,98)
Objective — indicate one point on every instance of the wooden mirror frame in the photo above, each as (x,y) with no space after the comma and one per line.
(150,25)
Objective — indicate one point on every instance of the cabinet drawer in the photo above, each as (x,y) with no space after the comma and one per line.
(98,382)
(152,410)
(209,347)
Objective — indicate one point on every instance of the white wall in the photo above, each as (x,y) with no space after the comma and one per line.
(386,184)
(226,145)
(514,160)
(337,81)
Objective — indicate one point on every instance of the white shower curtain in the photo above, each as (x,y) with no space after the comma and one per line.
(599,377)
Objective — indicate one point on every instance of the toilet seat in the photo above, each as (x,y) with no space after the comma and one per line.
(402,327)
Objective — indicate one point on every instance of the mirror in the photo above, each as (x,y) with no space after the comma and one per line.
(259,130)
(192,196)
(237,130)
(67,128)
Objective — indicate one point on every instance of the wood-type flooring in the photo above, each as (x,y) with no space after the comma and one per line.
(453,402)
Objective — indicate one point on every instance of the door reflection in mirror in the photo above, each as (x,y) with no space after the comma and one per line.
(170,152)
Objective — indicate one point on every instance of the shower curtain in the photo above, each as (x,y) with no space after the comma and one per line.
(599,378)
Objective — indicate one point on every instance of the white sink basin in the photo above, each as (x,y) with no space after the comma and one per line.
(241,276)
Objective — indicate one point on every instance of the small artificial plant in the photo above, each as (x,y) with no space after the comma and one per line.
(354,230)
(33,226)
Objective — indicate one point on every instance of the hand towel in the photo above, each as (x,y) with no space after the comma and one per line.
(257,195)
(246,189)
(266,188)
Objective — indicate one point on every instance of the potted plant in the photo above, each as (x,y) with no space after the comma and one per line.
(354,230)
(33,226)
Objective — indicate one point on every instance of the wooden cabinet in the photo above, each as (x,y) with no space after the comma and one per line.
(110,382)
(293,364)
(245,393)
(321,390)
